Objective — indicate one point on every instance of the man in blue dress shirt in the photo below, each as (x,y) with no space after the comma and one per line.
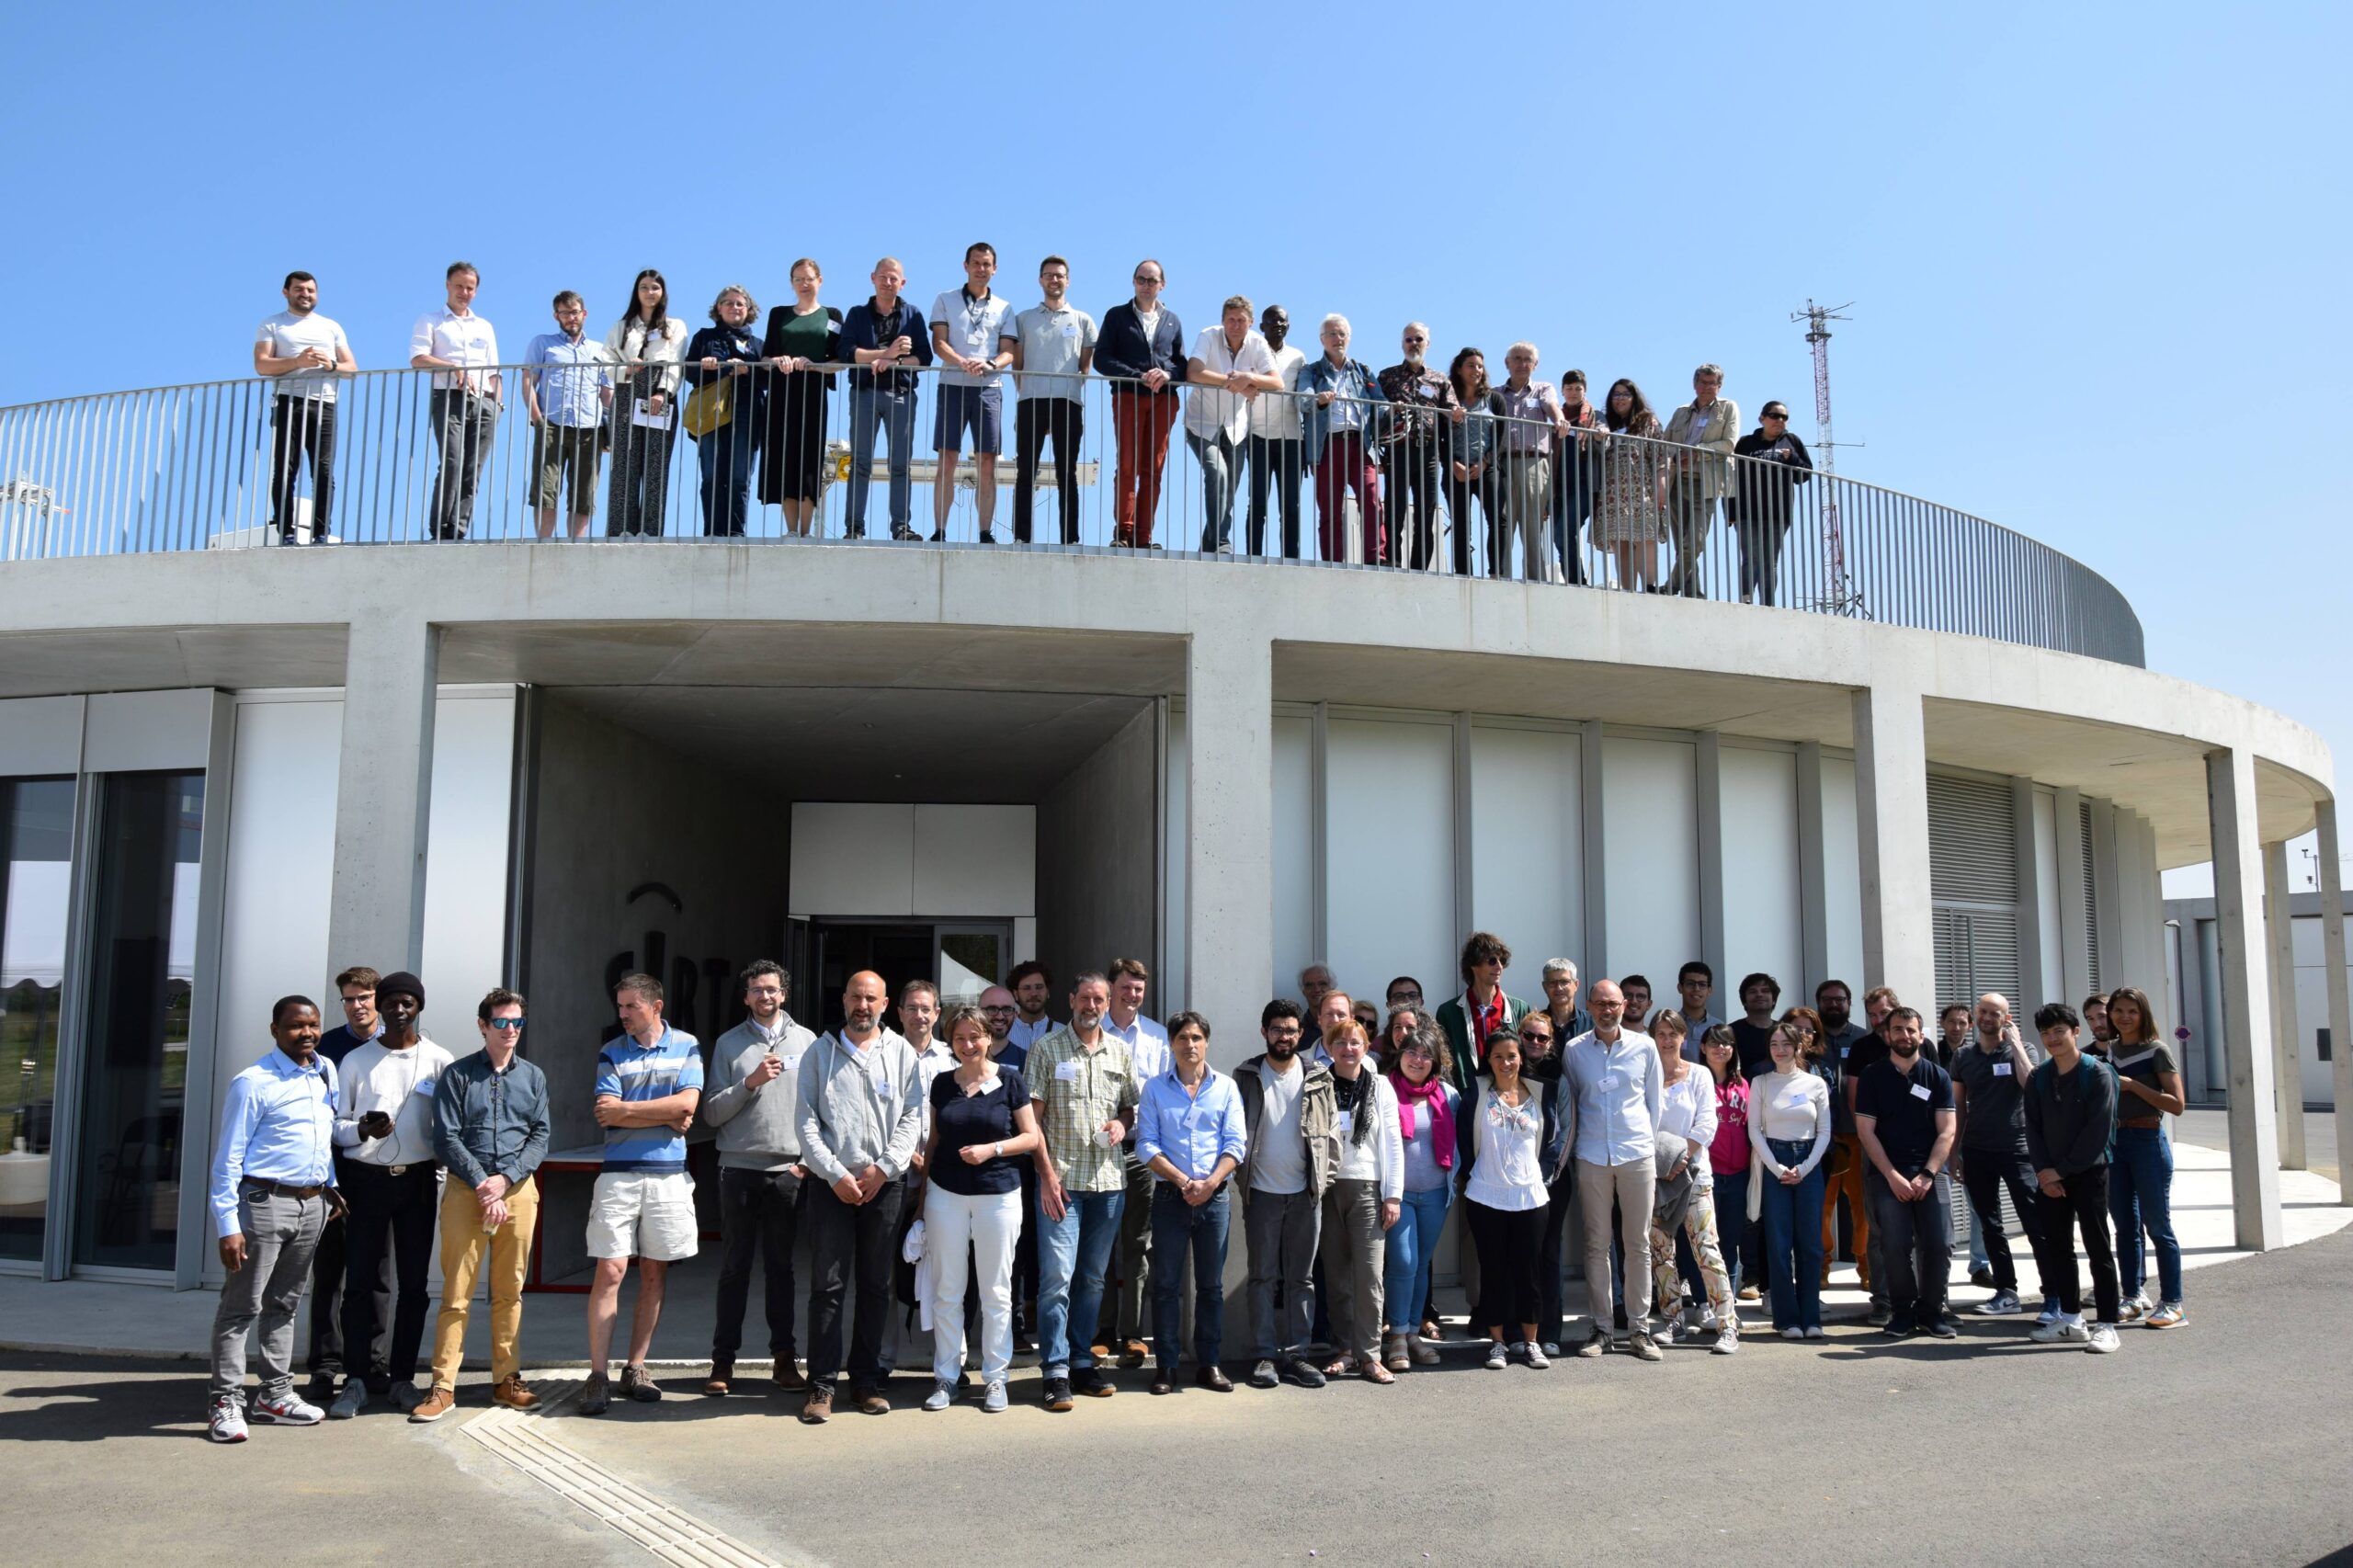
(273,1187)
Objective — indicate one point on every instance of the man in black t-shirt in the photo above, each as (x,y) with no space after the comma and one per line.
(1904,1114)
(1989,1081)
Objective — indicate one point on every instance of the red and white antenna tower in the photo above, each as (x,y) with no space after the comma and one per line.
(1838,593)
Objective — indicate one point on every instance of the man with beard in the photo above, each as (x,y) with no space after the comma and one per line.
(1287,1118)
(1904,1114)
(1083,1082)
(1032,983)
(1420,396)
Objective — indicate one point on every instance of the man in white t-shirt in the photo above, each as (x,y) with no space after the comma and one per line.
(1276,453)
(1288,1111)
(1231,366)
(303,352)
(971,330)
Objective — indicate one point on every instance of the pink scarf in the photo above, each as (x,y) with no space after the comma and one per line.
(1431,1090)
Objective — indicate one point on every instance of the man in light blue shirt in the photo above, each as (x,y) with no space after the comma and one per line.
(273,1186)
(566,393)
(1613,1074)
(1190,1133)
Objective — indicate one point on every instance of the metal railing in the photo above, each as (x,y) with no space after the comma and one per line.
(791,450)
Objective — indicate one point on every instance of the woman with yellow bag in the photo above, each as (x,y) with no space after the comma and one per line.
(723,413)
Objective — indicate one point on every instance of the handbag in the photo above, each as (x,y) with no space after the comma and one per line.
(712,405)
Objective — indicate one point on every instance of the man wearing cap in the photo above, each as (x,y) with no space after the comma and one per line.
(383,1124)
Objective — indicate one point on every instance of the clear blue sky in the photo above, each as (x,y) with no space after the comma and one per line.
(2097,252)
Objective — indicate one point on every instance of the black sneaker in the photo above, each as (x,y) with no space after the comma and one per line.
(639,1385)
(595,1394)
(1899,1326)
(1299,1372)
(1264,1376)
(1092,1384)
(1940,1329)
(1878,1315)
(988,536)
(1056,1394)
(1981,1276)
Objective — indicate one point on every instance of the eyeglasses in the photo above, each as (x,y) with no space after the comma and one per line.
(1412,337)
(507,1026)
(1772,414)
(996,1007)
(360,1001)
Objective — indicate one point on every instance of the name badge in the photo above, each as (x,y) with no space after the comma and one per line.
(1065,1072)
(1347,1124)
(425,1088)
(1843,1050)
(1919,1091)
(1609,1080)
(2001,1069)
(791,1062)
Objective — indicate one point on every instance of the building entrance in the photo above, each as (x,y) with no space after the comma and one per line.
(963,957)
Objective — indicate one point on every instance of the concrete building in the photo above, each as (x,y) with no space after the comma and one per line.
(228,773)
(2306,1046)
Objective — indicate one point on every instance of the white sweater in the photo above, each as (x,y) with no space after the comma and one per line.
(1792,1107)
(1381,1156)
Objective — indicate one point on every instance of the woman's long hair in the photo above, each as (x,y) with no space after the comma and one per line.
(1468,396)
(658,324)
(1637,408)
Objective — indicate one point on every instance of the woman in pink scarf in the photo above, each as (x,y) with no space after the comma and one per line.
(1419,1069)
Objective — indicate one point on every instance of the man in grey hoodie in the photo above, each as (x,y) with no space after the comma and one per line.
(860,1118)
(754,1101)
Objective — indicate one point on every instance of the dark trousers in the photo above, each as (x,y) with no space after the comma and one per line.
(1037,420)
(1462,496)
(1413,502)
(1573,475)
(463,425)
(2086,1204)
(640,478)
(1918,1249)
(756,1209)
(724,459)
(1507,1243)
(1281,466)
(1983,1174)
(1550,1317)
(302,425)
(1759,525)
(1175,1226)
(848,1244)
(327,1266)
(388,1245)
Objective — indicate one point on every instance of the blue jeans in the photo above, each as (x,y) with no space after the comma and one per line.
(2140,1197)
(1221,462)
(1073,1252)
(1407,1269)
(1175,1225)
(894,412)
(1792,1217)
(724,456)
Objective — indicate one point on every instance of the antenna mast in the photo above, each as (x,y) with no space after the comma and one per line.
(1838,593)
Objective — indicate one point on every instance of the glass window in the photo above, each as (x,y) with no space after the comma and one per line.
(142,963)
(36,874)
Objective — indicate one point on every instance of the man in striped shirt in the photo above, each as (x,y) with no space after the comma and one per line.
(648,1082)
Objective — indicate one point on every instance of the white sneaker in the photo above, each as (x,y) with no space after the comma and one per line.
(2061,1330)
(227,1423)
(1816,1334)
(942,1395)
(1727,1341)
(2101,1340)
(1708,1323)
(1496,1354)
(1552,1347)
(288,1409)
(2135,1308)
(1536,1359)
(1794,1334)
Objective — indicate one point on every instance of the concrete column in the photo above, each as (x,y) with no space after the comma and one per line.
(1891,818)
(383,795)
(2245,979)
(1813,876)
(2074,912)
(1229,885)
(2034,986)
(2287,1065)
(2340,1009)
(1709,777)
(1595,958)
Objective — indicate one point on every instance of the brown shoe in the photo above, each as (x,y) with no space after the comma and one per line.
(513,1393)
(872,1402)
(1132,1354)
(788,1376)
(435,1405)
(819,1407)
(722,1373)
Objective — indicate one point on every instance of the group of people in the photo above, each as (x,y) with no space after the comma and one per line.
(1017,1162)
(1523,464)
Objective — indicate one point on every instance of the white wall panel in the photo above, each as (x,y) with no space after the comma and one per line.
(1764,908)
(1526,850)
(1294,850)
(976,860)
(466,861)
(852,858)
(1389,799)
(1650,795)
(1842,876)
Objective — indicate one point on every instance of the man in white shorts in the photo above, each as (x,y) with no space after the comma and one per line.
(648,1084)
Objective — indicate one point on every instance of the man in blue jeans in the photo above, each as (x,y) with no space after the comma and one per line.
(884,336)
(1084,1082)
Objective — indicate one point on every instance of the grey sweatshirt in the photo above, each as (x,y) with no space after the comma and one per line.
(759,1130)
(2069,1117)
(860,1107)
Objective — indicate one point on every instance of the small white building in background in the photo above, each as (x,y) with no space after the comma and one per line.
(2194,955)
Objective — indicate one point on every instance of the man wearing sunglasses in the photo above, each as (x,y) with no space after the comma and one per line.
(490,1116)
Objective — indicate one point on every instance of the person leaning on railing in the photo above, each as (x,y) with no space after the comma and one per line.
(1776,465)
(568,392)
(1468,437)
(725,415)
(884,337)
(457,345)
(1142,349)
(1422,398)
(1630,516)
(1711,424)
(1532,423)
(303,352)
(971,330)
(801,335)
(1342,403)
(1230,368)
(1053,348)
(647,341)
(1576,470)
(1274,447)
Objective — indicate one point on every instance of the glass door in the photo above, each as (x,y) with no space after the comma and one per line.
(972,956)
(36,878)
(134,1055)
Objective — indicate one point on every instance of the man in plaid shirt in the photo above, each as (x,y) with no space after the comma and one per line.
(1084,1082)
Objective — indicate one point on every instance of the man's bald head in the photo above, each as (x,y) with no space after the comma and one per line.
(862,1002)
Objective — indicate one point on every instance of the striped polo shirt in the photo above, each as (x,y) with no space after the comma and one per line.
(637,1073)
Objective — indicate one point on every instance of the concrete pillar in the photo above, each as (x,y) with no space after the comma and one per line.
(2287,1065)
(2340,1009)
(1595,958)
(383,795)
(1892,820)
(1229,884)
(2035,987)
(2074,980)
(1709,777)
(2245,980)
(1813,876)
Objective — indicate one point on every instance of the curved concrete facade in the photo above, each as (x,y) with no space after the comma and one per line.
(2199,774)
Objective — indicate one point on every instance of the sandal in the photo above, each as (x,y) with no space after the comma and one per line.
(1374,1372)
(1341,1366)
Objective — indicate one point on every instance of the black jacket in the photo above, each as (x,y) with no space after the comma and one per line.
(1122,351)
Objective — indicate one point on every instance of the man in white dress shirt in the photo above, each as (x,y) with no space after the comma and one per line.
(1229,368)
(1613,1075)
(461,351)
